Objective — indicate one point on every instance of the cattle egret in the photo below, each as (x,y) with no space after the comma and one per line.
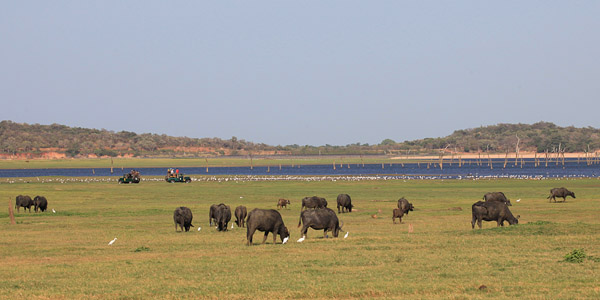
(231,225)
(300,240)
(345,236)
(518,200)
(285,240)
(53,211)
(199,228)
(111,242)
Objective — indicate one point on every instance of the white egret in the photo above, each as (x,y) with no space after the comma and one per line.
(345,236)
(285,240)
(231,225)
(111,242)
(300,240)
(199,228)
(518,200)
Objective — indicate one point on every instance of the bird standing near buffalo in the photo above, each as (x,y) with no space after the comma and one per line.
(492,211)
(266,220)
(182,216)
(561,193)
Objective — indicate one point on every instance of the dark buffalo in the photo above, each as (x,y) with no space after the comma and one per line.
(492,211)
(240,215)
(497,196)
(344,201)
(266,220)
(561,193)
(313,202)
(397,214)
(23,201)
(41,203)
(317,219)
(182,216)
(212,214)
(405,206)
(281,203)
(222,216)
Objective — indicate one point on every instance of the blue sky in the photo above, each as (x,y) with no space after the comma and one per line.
(303,72)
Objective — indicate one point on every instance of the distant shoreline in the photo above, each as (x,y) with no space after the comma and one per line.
(484,155)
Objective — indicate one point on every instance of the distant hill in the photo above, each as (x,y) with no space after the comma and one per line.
(20,140)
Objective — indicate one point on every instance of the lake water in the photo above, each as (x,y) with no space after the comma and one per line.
(469,169)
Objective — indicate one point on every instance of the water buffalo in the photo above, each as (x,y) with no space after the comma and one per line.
(23,201)
(496,196)
(266,220)
(405,206)
(344,201)
(240,215)
(222,216)
(492,211)
(317,219)
(281,203)
(212,214)
(182,216)
(313,202)
(561,193)
(40,202)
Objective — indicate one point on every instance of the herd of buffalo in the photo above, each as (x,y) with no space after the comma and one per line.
(315,214)
(39,202)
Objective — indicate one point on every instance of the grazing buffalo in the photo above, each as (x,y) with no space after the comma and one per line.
(492,211)
(496,196)
(313,202)
(281,203)
(40,202)
(317,219)
(397,214)
(266,220)
(182,216)
(240,215)
(344,201)
(405,206)
(23,201)
(222,216)
(561,193)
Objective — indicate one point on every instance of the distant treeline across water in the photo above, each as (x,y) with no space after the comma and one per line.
(469,168)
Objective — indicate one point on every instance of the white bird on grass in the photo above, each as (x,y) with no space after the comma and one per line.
(111,242)
(518,200)
(199,228)
(285,240)
(53,211)
(300,240)
(231,225)
(345,236)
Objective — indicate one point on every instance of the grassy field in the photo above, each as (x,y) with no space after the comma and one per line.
(189,162)
(66,254)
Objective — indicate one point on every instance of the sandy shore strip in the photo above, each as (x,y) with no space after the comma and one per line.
(483,155)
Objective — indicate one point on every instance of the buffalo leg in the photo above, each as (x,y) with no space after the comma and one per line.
(175,227)
(249,234)
(479,223)
(265,238)
(274,238)
(304,230)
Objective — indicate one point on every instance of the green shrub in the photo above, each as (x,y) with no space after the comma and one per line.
(576,256)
